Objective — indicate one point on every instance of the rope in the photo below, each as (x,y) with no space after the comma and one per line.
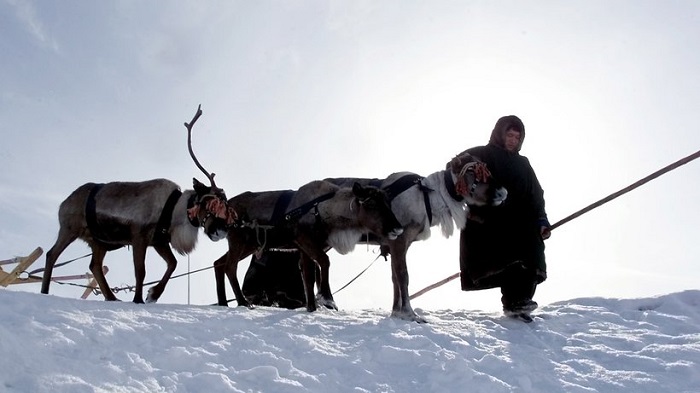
(57,265)
(128,287)
(627,189)
(585,210)
(358,275)
(431,287)
(343,287)
(131,287)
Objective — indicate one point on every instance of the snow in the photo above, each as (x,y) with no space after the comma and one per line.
(56,344)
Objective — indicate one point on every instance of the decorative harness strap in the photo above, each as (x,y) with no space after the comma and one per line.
(481,175)
(161,236)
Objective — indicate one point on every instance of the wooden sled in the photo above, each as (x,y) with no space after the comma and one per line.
(23,263)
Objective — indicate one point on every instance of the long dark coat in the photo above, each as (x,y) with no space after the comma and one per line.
(496,238)
(274,279)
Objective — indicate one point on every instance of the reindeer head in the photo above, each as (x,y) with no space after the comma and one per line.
(374,212)
(210,208)
(475,183)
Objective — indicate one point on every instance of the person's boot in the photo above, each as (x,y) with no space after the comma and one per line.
(521,310)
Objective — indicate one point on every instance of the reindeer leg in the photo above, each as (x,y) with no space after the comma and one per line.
(139,268)
(98,256)
(308,273)
(402,306)
(237,250)
(396,303)
(325,296)
(65,238)
(167,254)
(220,275)
(395,280)
(315,253)
(232,274)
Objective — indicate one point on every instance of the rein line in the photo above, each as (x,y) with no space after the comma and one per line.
(358,275)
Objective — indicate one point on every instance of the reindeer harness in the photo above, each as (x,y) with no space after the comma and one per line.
(404,183)
(279,216)
(161,235)
(166,216)
(459,190)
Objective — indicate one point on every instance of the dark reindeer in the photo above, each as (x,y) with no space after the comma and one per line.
(315,218)
(443,198)
(141,214)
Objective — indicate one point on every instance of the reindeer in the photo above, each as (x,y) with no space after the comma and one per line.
(443,198)
(141,214)
(341,215)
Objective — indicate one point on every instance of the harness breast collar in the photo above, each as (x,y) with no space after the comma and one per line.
(166,217)
(450,185)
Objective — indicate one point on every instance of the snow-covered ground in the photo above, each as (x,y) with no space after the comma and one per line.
(55,344)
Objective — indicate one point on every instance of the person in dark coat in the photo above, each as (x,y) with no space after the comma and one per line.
(503,246)
(274,279)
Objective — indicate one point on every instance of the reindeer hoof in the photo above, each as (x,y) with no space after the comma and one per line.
(408,316)
(328,303)
(246,305)
(419,319)
(150,298)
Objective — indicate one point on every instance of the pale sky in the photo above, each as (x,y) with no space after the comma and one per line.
(302,90)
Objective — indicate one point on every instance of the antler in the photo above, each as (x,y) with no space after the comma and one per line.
(189,125)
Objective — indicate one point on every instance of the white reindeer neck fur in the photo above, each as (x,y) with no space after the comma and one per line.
(344,241)
(446,211)
(340,214)
(183,235)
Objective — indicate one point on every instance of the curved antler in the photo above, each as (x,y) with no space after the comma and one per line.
(189,125)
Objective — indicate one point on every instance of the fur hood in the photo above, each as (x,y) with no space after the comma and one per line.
(505,123)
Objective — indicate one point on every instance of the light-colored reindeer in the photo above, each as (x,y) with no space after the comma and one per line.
(140,214)
(441,199)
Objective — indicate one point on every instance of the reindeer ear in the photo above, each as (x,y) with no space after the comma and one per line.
(467,158)
(457,163)
(199,187)
(358,190)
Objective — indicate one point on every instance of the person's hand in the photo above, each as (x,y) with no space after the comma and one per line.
(545,232)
